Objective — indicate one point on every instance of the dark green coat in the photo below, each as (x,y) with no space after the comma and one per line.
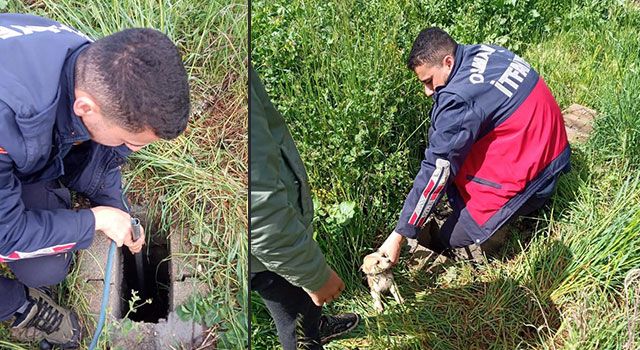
(281,205)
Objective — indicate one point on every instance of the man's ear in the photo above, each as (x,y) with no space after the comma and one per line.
(85,105)
(448,61)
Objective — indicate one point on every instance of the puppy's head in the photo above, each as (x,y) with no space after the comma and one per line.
(375,263)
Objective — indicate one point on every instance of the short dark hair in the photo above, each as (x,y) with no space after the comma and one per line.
(430,47)
(138,80)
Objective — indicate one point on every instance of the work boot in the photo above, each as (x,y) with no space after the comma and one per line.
(44,318)
(332,327)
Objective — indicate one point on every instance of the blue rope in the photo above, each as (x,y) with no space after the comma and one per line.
(105,296)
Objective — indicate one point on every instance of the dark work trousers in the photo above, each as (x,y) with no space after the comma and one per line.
(41,271)
(453,235)
(291,308)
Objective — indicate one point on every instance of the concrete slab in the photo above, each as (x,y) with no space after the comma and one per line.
(91,266)
(578,121)
(175,333)
(183,265)
(126,334)
(93,260)
(92,290)
(183,290)
(183,271)
(170,333)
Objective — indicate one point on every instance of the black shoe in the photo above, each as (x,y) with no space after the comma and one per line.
(45,318)
(332,327)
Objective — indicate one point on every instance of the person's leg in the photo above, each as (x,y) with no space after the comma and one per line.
(453,237)
(540,198)
(20,296)
(43,271)
(13,297)
(35,273)
(289,306)
(533,204)
(46,270)
(450,235)
(457,243)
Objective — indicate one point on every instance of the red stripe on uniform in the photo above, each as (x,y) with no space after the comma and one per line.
(63,248)
(2,151)
(429,187)
(413,218)
(14,255)
(435,194)
(421,221)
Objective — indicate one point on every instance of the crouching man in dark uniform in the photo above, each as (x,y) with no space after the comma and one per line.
(71,111)
(497,142)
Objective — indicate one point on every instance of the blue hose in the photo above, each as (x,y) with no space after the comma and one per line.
(107,283)
(105,296)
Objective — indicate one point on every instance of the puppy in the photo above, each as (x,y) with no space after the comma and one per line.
(377,267)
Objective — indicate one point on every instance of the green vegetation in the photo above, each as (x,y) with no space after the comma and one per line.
(336,71)
(194,186)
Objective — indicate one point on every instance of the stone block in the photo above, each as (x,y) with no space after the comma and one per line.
(578,121)
(91,266)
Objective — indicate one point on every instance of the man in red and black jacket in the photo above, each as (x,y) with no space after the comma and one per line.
(497,142)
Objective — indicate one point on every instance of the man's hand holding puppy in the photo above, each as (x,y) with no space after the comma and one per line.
(329,291)
(392,246)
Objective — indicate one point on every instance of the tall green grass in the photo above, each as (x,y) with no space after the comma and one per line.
(194,186)
(336,71)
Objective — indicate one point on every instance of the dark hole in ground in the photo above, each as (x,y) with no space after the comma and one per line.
(157,282)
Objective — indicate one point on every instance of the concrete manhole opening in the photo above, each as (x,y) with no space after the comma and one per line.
(156,283)
(168,282)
